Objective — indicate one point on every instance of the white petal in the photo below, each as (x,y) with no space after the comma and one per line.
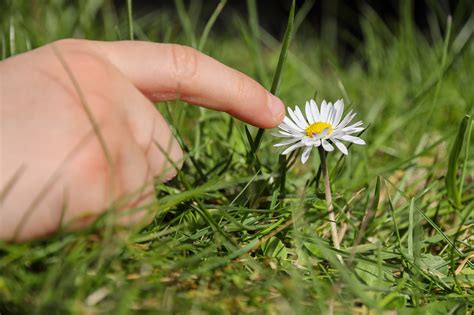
(343,130)
(292,148)
(339,107)
(305,155)
(307,141)
(300,116)
(354,125)
(329,114)
(357,124)
(291,125)
(349,130)
(346,120)
(309,113)
(324,111)
(322,134)
(353,139)
(287,142)
(327,146)
(295,118)
(328,117)
(313,143)
(332,115)
(315,110)
(340,146)
(283,134)
(284,127)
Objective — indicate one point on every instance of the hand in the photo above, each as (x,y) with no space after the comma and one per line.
(78,129)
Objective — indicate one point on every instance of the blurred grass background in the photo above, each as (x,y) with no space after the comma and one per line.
(224,240)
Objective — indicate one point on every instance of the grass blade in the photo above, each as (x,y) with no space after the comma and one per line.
(283,168)
(185,22)
(130,19)
(8,186)
(255,42)
(210,23)
(414,233)
(466,155)
(303,12)
(12,38)
(391,209)
(4,46)
(249,138)
(452,188)
(370,214)
(284,50)
(278,72)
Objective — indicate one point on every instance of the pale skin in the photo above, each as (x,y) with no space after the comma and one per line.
(57,170)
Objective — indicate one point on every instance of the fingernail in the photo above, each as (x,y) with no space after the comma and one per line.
(169,176)
(276,106)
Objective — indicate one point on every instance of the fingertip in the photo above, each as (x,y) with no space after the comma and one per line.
(173,163)
(276,109)
(165,155)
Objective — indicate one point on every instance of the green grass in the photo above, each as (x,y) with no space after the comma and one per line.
(225,238)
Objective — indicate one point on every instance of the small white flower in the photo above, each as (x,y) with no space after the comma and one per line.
(320,127)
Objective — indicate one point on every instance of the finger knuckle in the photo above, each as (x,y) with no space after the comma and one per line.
(99,111)
(83,60)
(91,66)
(92,83)
(177,156)
(69,43)
(242,87)
(166,158)
(184,63)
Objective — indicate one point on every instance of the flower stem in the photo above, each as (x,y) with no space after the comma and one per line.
(327,193)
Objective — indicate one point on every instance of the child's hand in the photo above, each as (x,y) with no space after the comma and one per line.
(68,150)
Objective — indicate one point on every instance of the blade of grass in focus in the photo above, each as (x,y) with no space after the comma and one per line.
(12,37)
(256,41)
(279,69)
(210,23)
(466,155)
(453,188)
(130,19)
(4,47)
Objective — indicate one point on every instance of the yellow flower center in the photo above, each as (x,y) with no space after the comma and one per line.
(318,127)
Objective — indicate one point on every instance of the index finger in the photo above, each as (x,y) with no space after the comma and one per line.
(170,71)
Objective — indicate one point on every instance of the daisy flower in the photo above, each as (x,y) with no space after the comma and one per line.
(321,127)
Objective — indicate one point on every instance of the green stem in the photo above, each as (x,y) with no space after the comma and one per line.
(130,20)
(278,72)
(327,193)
